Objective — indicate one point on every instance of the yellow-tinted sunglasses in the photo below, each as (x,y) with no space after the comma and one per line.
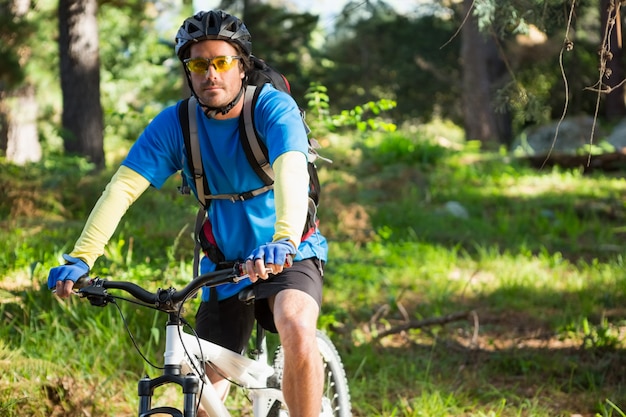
(220,63)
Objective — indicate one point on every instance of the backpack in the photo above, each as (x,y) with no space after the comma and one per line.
(256,153)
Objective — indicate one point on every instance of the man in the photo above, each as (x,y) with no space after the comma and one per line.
(265,230)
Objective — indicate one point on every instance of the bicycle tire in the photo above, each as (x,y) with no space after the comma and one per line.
(336,393)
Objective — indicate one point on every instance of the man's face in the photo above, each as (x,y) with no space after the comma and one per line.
(216,89)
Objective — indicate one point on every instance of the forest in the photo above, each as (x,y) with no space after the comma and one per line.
(494,68)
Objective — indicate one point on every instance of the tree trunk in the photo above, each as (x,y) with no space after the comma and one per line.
(479,118)
(18,109)
(22,138)
(615,108)
(80,79)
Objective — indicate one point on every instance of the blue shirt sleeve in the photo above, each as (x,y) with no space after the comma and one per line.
(279,123)
(159,152)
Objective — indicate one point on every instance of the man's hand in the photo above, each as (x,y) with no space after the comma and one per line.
(270,258)
(62,278)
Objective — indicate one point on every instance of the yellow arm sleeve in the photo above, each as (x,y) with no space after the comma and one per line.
(291,185)
(122,191)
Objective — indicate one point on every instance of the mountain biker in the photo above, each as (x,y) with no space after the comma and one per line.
(265,230)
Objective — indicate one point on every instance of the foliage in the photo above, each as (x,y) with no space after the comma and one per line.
(363,117)
(140,74)
(509,18)
(371,54)
(533,91)
(373,58)
(358,116)
(14,34)
(32,189)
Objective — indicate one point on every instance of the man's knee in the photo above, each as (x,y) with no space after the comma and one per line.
(295,312)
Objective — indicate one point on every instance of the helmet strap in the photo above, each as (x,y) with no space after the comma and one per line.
(210,112)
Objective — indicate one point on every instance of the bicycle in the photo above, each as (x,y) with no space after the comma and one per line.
(185,355)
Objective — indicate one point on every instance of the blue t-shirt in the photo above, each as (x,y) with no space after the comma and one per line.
(241,226)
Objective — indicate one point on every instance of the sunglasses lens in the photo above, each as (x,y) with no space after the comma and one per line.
(223,63)
(199,66)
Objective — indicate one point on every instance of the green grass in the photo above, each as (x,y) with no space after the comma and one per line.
(536,262)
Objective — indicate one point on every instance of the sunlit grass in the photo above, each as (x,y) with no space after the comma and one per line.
(533,258)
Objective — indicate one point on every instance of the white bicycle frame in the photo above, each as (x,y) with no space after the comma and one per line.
(185,357)
(185,350)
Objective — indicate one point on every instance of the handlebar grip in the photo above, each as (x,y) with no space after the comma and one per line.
(83,282)
(243,272)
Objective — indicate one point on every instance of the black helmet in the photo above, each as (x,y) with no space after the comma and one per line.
(212,25)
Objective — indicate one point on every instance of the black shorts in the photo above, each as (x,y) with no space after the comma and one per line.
(229,322)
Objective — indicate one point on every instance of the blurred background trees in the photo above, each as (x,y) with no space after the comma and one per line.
(18,107)
(79,56)
(84,77)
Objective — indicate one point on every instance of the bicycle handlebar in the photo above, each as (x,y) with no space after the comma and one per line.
(94,289)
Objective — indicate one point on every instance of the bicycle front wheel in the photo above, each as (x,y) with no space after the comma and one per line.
(336,394)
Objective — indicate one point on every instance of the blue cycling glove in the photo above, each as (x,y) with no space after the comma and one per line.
(72,270)
(276,253)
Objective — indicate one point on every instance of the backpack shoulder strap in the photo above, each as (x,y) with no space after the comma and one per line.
(184,126)
(255,150)
(189,125)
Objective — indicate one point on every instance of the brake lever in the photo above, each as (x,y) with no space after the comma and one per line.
(94,291)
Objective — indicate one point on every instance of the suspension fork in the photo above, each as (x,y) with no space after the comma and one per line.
(190,383)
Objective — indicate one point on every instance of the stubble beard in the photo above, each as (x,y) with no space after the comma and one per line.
(218,98)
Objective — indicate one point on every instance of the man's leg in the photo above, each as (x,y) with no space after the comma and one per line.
(221,385)
(295,315)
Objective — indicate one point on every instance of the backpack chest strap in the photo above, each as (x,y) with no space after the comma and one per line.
(247,195)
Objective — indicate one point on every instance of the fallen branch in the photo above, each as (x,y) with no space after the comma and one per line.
(418,324)
(602,162)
